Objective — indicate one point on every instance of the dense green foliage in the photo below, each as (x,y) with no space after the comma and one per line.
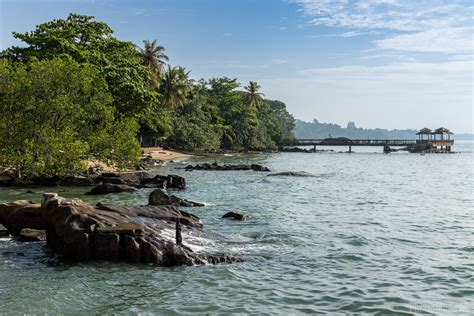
(57,113)
(74,91)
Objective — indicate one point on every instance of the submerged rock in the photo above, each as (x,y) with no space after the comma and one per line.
(295,150)
(236,216)
(292,174)
(216,167)
(160,197)
(106,188)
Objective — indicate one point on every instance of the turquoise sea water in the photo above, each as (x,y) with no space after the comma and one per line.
(371,233)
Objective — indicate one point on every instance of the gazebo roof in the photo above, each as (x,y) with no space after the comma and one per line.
(442,130)
(425,130)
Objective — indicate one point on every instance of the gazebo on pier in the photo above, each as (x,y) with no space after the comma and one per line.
(424,134)
(438,141)
(444,133)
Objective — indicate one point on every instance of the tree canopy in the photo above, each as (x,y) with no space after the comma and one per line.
(74,91)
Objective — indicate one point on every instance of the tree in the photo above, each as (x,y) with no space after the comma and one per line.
(176,87)
(54,115)
(92,42)
(154,58)
(254,98)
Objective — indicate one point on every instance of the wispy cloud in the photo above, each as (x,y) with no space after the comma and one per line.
(444,40)
(345,34)
(227,34)
(422,25)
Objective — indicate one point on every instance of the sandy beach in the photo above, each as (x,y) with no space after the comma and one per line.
(164,154)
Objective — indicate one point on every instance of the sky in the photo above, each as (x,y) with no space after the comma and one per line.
(380,63)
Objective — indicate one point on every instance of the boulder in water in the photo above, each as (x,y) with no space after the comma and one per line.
(119,232)
(106,188)
(131,233)
(21,214)
(216,167)
(292,174)
(160,197)
(236,216)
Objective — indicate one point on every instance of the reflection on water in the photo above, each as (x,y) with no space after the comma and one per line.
(372,233)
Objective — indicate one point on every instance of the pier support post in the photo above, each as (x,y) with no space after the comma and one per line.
(179,237)
(314,148)
(350,149)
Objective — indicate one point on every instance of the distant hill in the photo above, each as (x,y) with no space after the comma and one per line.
(317,130)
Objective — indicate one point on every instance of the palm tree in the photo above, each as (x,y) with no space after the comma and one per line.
(254,98)
(154,58)
(176,86)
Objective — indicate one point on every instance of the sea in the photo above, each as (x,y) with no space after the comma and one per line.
(367,233)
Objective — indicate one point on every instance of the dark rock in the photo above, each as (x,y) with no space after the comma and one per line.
(215,166)
(236,216)
(106,246)
(179,237)
(107,188)
(110,175)
(21,214)
(160,197)
(163,182)
(174,181)
(160,212)
(148,161)
(155,184)
(27,234)
(134,229)
(78,180)
(295,150)
(223,258)
(292,174)
(4,233)
(256,167)
(132,250)
(130,233)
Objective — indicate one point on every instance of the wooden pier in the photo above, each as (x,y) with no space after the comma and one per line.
(438,141)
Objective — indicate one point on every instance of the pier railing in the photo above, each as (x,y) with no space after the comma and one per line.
(355,142)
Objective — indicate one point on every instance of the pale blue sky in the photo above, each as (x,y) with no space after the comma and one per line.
(380,63)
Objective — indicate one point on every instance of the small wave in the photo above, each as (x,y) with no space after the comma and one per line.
(264,180)
(467,249)
(207,204)
(408,241)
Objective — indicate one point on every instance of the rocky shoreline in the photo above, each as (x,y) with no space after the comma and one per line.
(129,233)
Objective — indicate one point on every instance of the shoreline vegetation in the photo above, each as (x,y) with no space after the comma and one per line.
(73,96)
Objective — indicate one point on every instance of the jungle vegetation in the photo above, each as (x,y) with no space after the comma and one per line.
(73,91)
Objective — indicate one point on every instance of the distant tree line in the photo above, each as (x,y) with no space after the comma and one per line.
(317,130)
(74,91)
